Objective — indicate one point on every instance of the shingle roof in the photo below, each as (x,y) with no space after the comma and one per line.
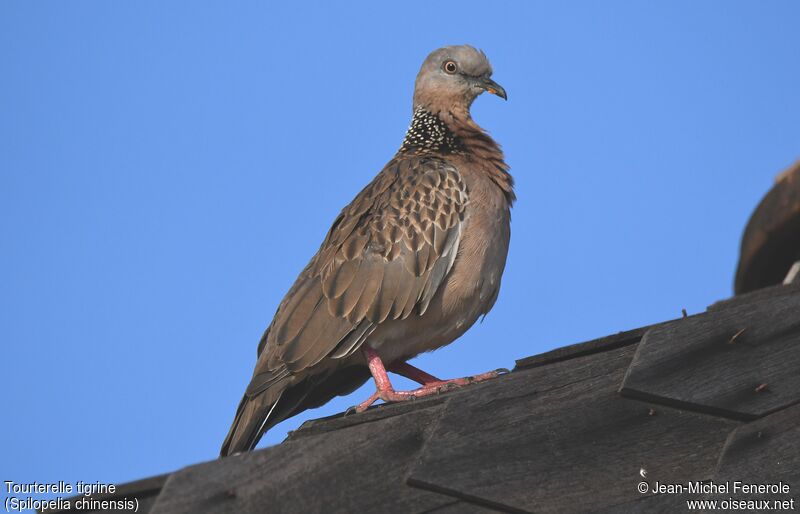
(707,397)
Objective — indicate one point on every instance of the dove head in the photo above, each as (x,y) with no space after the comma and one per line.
(452,77)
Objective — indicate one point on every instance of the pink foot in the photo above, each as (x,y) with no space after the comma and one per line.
(430,384)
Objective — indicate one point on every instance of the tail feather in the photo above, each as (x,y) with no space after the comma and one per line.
(253,417)
(259,412)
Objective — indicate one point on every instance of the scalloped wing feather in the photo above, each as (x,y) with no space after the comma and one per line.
(386,254)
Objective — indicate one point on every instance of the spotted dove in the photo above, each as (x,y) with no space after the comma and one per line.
(407,267)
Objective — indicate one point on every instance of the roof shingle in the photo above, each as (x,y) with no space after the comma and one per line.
(555,435)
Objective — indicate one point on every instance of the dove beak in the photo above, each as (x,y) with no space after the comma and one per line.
(492,87)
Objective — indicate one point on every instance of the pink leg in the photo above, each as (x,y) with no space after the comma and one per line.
(417,375)
(412,373)
(430,384)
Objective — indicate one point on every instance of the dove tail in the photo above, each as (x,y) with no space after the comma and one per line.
(253,418)
(258,412)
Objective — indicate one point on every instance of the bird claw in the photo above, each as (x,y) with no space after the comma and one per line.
(353,409)
(434,387)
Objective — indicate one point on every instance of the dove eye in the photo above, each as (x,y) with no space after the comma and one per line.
(450,67)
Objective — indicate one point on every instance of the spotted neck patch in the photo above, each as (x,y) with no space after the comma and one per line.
(428,133)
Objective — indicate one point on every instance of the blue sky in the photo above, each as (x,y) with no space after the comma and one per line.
(167,168)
